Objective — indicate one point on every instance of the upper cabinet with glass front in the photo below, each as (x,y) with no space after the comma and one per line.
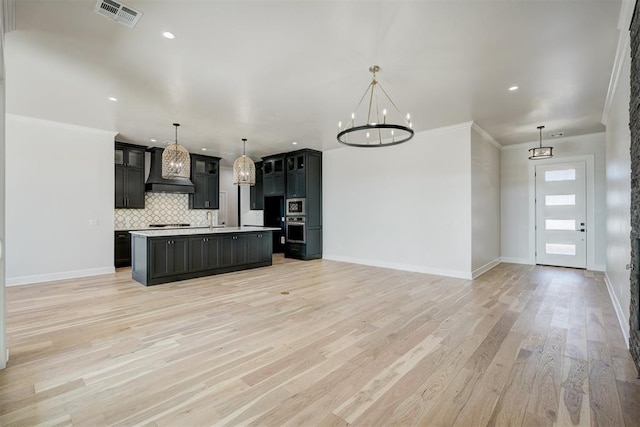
(273,175)
(206,182)
(129,176)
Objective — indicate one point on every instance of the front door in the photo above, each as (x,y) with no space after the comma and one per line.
(561,207)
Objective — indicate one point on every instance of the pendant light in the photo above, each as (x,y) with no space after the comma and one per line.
(538,153)
(244,170)
(376,130)
(176,162)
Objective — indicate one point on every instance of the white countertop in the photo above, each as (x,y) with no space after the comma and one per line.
(165,228)
(185,231)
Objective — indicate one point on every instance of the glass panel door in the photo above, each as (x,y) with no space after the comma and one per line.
(561,212)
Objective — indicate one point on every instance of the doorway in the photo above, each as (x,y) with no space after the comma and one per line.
(561,214)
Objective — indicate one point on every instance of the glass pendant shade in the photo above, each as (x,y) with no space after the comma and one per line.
(244,170)
(176,162)
(539,153)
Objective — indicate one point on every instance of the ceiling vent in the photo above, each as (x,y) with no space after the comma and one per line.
(118,12)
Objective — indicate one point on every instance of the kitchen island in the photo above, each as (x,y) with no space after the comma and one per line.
(168,255)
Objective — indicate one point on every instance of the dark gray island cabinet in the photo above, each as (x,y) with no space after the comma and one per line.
(162,256)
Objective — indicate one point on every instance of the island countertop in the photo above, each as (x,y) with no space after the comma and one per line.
(196,231)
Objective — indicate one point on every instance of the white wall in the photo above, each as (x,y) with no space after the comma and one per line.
(619,197)
(516,221)
(226,184)
(405,207)
(249,217)
(485,204)
(58,183)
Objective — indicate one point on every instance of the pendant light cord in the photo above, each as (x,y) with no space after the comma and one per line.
(540,128)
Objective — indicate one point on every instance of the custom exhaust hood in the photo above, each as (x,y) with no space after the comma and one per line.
(157,184)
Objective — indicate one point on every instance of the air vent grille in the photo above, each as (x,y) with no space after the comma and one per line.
(118,12)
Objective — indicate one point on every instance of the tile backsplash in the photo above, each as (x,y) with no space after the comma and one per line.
(162,208)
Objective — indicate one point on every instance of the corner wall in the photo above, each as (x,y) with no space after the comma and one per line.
(406,207)
(59,194)
(619,198)
(485,203)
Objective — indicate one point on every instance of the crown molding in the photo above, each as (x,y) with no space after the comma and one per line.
(61,125)
(485,135)
(622,53)
(552,142)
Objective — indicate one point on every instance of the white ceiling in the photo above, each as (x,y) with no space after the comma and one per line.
(282,71)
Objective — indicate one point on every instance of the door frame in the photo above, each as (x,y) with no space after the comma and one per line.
(590,196)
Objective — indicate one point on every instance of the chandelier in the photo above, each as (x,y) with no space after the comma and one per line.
(538,153)
(176,162)
(244,170)
(376,128)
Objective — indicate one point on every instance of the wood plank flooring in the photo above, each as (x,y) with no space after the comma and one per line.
(348,345)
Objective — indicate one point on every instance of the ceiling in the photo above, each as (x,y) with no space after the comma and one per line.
(276,72)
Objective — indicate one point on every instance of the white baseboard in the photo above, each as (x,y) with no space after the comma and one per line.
(39,278)
(488,266)
(398,266)
(516,260)
(624,323)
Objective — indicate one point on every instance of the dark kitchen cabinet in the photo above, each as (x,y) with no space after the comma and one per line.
(205,175)
(259,247)
(273,176)
(158,260)
(256,191)
(304,180)
(296,175)
(234,249)
(129,176)
(205,253)
(169,256)
(122,249)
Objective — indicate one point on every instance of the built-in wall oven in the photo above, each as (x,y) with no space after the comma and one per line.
(296,229)
(295,207)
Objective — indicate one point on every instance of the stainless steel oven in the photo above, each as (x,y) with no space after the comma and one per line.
(295,229)
(295,207)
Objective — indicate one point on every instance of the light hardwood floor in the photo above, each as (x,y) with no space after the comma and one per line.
(348,344)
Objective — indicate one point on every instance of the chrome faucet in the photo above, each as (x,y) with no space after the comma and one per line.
(210,218)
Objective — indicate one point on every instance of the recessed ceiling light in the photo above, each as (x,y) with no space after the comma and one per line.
(204,149)
(111,98)
(294,143)
(168,35)
(556,135)
(512,88)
